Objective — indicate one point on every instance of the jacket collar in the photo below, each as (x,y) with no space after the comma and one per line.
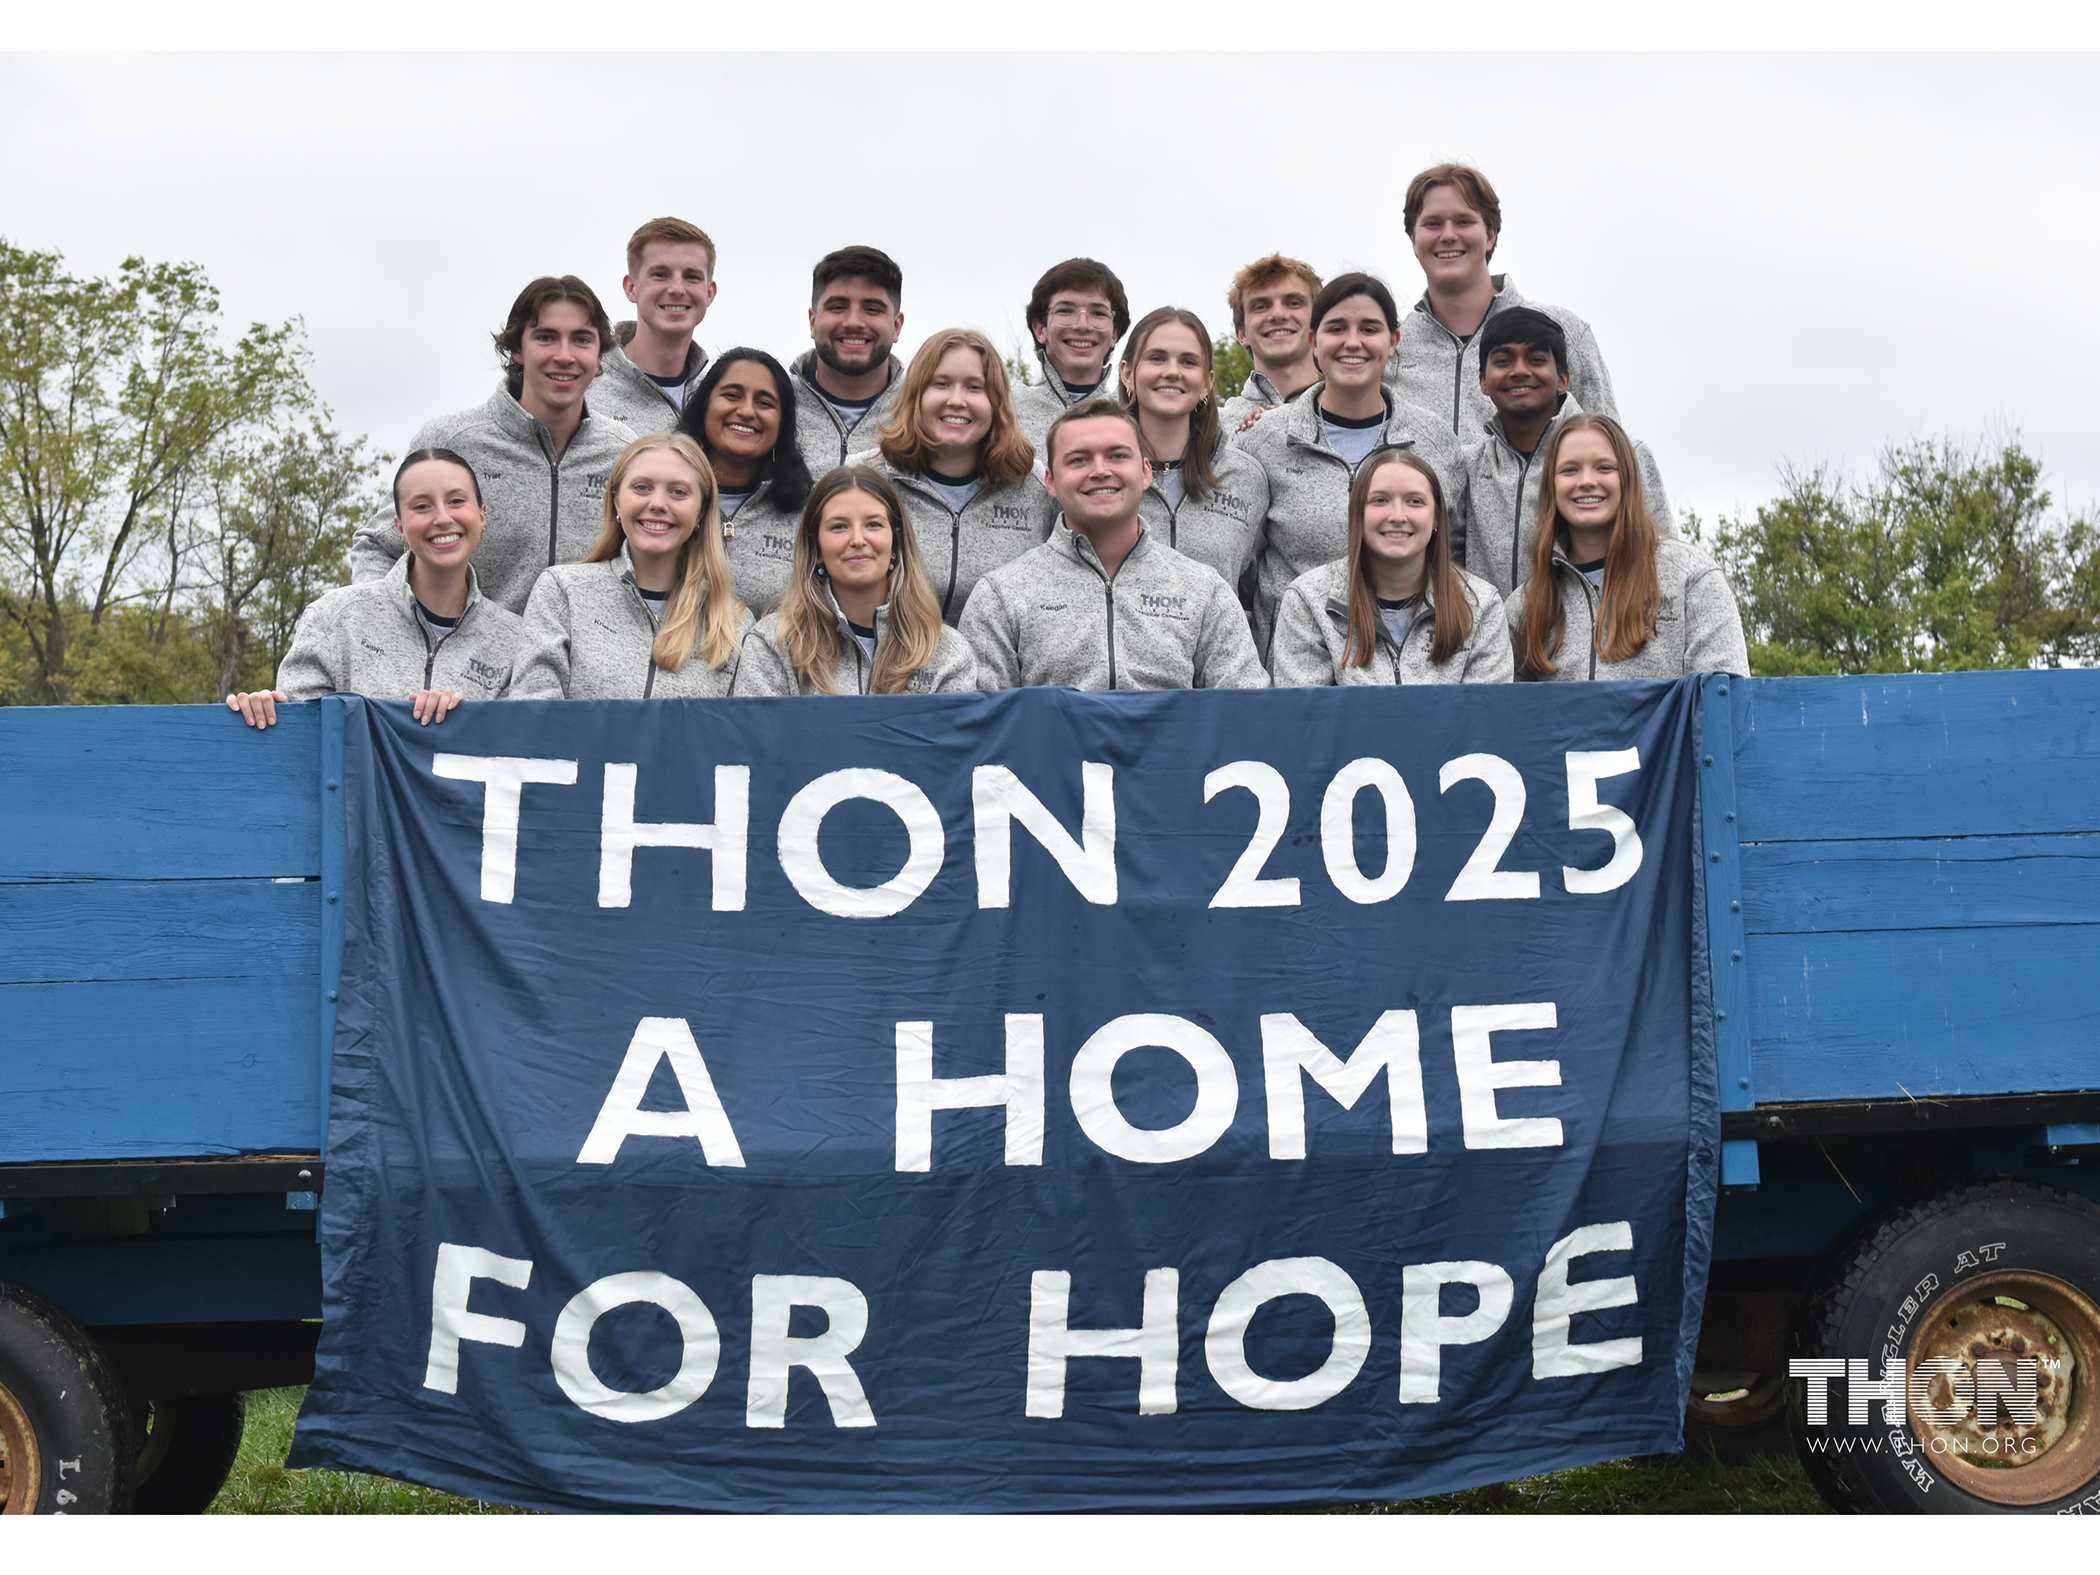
(1568,407)
(519,423)
(1058,385)
(1305,424)
(404,596)
(617,360)
(803,368)
(1078,548)
(882,618)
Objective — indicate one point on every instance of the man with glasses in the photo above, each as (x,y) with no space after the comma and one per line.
(1078,313)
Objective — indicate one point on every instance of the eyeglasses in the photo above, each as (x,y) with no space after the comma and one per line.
(1064,312)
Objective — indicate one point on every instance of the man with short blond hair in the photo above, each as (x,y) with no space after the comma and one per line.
(1271,300)
(671,281)
(1454,222)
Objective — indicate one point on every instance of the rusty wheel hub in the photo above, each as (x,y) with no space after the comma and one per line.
(21,1475)
(2002,1393)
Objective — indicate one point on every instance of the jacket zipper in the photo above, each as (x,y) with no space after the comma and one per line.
(860,666)
(430,652)
(954,555)
(1109,587)
(1516,524)
(553,497)
(649,678)
(1590,596)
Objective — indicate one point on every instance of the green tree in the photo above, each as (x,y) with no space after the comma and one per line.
(1944,559)
(1231,365)
(152,482)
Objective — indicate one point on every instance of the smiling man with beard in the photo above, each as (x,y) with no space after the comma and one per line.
(855,316)
(1105,603)
(1078,313)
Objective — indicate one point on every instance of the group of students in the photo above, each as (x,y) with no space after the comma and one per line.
(1444,497)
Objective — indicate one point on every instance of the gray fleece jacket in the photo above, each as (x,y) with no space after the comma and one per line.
(1700,629)
(765,670)
(368,639)
(1308,519)
(1037,405)
(1312,639)
(820,434)
(996,526)
(590,636)
(760,540)
(543,508)
(629,396)
(1223,528)
(1495,511)
(1257,393)
(1440,372)
(1053,619)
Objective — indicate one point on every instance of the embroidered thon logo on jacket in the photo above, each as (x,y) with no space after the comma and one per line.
(483,674)
(773,544)
(1006,516)
(1163,606)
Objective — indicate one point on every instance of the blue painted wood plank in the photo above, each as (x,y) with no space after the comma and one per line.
(1921,883)
(118,792)
(55,931)
(233,1280)
(1718,713)
(1877,1014)
(1930,755)
(334,799)
(159,1068)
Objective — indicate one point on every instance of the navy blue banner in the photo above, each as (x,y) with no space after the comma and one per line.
(1025,1101)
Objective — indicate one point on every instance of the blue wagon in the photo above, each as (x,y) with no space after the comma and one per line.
(1905,944)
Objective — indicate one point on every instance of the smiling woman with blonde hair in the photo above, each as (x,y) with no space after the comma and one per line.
(961,464)
(859,616)
(649,613)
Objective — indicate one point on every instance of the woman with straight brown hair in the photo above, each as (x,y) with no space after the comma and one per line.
(859,616)
(961,463)
(649,613)
(1207,498)
(1610,596)
(1398,609)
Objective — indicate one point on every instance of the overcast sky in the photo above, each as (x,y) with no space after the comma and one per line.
(1784,258)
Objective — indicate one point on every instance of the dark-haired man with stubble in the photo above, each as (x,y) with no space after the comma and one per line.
(1078,314)
(856,312)
(1454,222)
(542,455)
(1495,501)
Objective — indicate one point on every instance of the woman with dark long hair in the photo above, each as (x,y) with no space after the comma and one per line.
(649,613)
(1610,596)
(1398,609)
(960,461)
(859,616)
(1312,448)
(1207,498)
(742,414)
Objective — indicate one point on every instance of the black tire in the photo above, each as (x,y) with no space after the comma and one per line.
(186,1452)
(2009,1251)
(62,1413)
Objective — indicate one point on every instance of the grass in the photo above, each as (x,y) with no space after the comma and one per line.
(260,1485)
